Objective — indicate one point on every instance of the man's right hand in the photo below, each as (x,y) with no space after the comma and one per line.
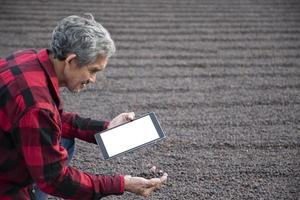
(142,186)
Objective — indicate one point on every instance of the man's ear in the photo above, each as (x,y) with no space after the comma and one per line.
(71,57)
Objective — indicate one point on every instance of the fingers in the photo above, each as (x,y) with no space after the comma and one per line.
(129,116)
(157,182)
(164,177)
(121,118)
(126,117)
(143,186)
(152,169)
(154,184)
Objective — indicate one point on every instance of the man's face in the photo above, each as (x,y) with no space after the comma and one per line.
(76,78)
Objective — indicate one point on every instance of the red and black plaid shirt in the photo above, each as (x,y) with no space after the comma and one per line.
(31,125)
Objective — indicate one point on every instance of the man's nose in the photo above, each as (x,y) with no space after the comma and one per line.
(93,78)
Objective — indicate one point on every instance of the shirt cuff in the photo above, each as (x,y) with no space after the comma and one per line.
(106,124)
(122,184)
(109,185)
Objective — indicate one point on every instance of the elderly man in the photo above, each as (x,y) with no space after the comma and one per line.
(37,136)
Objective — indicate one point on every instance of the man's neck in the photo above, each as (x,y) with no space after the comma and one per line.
(59,69)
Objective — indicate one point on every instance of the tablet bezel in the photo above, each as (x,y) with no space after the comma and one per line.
(156,124)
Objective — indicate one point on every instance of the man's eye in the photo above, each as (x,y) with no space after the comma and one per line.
(93,71)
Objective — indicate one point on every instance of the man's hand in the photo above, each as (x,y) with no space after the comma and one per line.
(121,119)
(142,186)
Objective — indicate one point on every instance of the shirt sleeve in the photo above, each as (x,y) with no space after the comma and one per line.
(74,126)
(38,136)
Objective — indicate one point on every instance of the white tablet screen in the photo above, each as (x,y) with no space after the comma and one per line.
(129,136)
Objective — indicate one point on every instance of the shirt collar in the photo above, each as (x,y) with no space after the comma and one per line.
(48,67)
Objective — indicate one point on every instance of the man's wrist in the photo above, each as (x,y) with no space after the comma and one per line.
(127,182)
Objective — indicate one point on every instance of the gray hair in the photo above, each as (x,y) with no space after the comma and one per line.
(82,36)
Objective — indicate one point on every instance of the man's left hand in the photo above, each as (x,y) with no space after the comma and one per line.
(121,119)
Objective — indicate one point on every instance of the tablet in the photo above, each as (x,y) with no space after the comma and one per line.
(129,136)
